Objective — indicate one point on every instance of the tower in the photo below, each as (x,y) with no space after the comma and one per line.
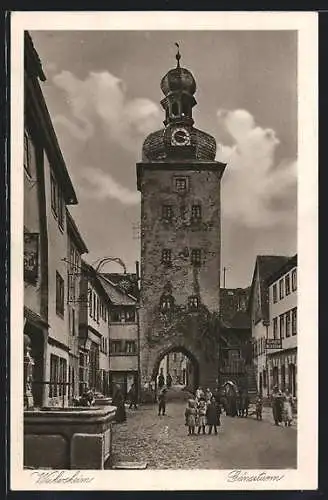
(179,181)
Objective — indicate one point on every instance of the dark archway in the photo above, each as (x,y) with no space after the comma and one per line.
(193,383)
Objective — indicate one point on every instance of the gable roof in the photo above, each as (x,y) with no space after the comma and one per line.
(287,266)
(131,278)
(265,266)
(116,295)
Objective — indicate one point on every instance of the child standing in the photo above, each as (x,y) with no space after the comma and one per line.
(258,407)
(201,415)
(190,416)
(162,401)
(213,413)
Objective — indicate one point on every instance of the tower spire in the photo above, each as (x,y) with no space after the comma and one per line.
(178,55)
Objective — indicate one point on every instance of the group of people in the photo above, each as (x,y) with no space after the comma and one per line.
(161,380)
(203,410)
(282,406)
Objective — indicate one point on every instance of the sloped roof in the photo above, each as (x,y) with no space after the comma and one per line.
(116,296)
(287,266)
(131,278)
(265,265)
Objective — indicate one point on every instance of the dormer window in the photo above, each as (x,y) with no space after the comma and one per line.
(167,303)
(193,303)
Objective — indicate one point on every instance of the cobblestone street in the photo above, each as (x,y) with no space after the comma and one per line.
(163,442)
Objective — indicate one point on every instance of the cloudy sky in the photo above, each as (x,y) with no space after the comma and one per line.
(103,94)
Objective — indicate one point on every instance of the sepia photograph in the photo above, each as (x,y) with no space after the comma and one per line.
(166,232)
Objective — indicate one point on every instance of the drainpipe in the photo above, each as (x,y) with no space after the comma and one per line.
(138,333)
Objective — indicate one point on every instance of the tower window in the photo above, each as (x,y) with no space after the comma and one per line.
(196,213)
(180,184)
(167,303)
(193,302)
(167,213)
(196,257)
(166,256)
(175,109)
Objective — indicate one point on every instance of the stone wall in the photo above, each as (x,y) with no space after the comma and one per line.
(180,279)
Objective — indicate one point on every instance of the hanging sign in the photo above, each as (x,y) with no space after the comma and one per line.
(273,343)
(31,257)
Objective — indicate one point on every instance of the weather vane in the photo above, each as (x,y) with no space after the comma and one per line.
(178,55)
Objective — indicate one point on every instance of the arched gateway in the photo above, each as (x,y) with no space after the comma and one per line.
(179,181)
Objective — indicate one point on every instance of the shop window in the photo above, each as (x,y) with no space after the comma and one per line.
(292,379)
(274,293)
(275,328)
(287,317)
(195,257)
(281,289)
(294,321)
(275,376)
(294,280)
(167,213)
(265,381)
(54,370)
(166,257)
(287,284)
(130,347)
(59,294)
(283,377)
(196,213)
(282,326)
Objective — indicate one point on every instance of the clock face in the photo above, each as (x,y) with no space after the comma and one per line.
(180,137)
(125,284)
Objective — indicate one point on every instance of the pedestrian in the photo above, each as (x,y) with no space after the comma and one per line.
(208,395)
(161,380)
(213,413)
(277,405)
(168,380)
(258,407)
(201,421)
(191,416)
(287,408)
(118,401)
(132,395)
(199,394)
(162,401)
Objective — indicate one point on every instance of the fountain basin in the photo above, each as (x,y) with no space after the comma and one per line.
(68,438)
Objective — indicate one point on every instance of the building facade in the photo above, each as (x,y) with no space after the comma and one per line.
(179,181)
(48,190)
(93,333)
(258,309)
(75,249)
(282,361)
(122,291)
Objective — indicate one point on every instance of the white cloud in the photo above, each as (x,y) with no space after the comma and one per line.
(102,96)
(102,186)
(254,188)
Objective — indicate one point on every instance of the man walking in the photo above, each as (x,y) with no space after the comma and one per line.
(162,402)
(133,397)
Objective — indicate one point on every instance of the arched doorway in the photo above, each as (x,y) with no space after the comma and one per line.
(182,366)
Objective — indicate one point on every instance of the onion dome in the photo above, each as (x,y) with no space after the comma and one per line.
(179,86)
(178,79)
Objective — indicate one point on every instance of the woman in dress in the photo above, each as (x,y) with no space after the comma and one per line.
(118,401)
(287,408)
(277,404)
